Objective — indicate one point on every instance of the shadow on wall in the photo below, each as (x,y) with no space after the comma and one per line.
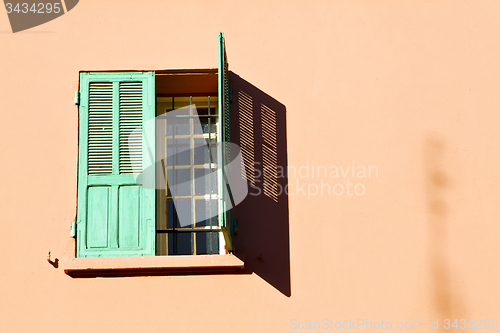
(258,125)
(447,302)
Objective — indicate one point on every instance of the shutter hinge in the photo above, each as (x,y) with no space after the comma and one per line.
(73,229)
(77,97)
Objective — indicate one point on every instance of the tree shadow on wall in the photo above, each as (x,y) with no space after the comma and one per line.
(258,126)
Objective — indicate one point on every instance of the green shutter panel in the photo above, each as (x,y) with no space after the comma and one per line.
(115,214)
(226,201)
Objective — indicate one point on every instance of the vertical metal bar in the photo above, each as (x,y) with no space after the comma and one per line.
(209,164)
(209,243)
(157,192)
(174,161)
(191,167)
(193,243)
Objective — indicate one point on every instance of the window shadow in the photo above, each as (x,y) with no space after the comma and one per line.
(258,126)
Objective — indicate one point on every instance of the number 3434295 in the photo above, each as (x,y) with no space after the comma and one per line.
(472,324)
(36,8)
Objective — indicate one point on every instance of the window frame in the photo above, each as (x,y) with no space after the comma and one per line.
(152,264)
(165,231)
(122,266)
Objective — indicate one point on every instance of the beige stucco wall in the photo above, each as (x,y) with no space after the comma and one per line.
(410,87)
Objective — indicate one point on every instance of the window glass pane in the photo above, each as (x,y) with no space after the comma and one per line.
(182,184)
(207,124)
(205,181)
(215,242)
(181,209)
(179,182)
(171,238)
(205,151)
(207,243)
(205,211)
(183,243)
(184,217)
(203,243)
(178,125)
(202,101)
(171,214)
(189,146)
(178,151)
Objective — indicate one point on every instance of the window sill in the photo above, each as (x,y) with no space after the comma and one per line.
(150,266)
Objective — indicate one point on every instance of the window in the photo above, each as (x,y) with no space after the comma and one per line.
(188,126)
(135,133)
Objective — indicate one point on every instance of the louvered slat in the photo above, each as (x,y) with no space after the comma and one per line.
(100,146)
(130,127)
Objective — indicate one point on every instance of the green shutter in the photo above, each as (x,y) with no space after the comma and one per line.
(115,214)
(226,201)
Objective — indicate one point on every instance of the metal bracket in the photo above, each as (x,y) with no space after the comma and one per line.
(227,238)
(77,97)
(54,263)
(73,229)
